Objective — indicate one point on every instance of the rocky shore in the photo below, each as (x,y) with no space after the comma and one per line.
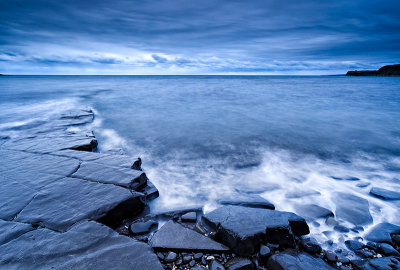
(390,70)
(65,206)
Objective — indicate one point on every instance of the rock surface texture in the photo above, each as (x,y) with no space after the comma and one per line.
(55,193)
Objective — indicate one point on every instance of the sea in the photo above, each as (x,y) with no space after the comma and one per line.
(293,140)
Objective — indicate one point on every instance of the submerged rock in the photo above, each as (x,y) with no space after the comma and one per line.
(382,232)
(313,211)
(291,260)
(255,201)
(385,194)
(243,228)
(174,236)
(353,209)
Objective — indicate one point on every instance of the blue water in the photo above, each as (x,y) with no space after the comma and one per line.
(203,137)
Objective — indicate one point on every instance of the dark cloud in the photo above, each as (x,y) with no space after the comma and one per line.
(179,36)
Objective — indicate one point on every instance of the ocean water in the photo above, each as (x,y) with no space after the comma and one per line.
(293,140)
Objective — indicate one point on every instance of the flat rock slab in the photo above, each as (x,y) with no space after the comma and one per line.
(255,201)
(353,209)
(313,211)
(243,228)
(10,230)
(291,260)
(385,194)
(87,245)
(67,201)
(174,236)
(382,232)
(102,173)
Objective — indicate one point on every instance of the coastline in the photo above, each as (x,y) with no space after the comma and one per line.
(80,197)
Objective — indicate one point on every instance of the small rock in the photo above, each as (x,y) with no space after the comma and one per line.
(310,245)
(341,228)
(189,217)
(138,228)
(364,253)
(214,265)
(388,250)
(186,259)
(160,255)
(372,245)
(203,261)
(137,165)
(171,257)
(239,264)
(353,245)
(198,267)
(198,256)
(179,261)
(331,221)
(265,251)
(331,256)
(192,263)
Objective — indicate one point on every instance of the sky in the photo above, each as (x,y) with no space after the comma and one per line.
(197,37)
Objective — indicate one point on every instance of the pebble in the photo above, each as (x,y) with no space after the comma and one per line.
(265,251)
(171,257)
(198,256)
(186,259)
(214,265)
(192,263)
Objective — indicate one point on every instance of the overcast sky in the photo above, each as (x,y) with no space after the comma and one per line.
(197,37)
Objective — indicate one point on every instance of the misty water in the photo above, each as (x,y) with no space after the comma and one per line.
(293,140)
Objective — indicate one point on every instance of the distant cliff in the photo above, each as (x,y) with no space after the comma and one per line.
(391,70)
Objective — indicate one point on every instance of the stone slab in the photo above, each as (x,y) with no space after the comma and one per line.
(87,245)
(243,228)
(174,236)
(291,260)
(65,202)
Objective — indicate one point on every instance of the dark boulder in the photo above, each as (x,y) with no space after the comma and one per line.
(244,228)
(292,260)
(174,236)
(353,244)
(352,209)
(385,194)
(146,227)
(137,164)
(382,232)
(310,245)
(388,250)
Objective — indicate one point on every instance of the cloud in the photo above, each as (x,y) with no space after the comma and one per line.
(197,37)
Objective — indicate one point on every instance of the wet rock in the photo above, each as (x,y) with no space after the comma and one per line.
(310,245)
(186,259)
(243,228)
(312,211)
(10,230)
(238,263)
(330,221)
(353,244)
(255,201)
(87,245)
(385,194)
(290,260)
(387,250)
(174,236)
(348,178)
(192,263)
(301,194)
(372,245)
(396,239)
(353,209)
(341,228)
(198,256)
(381,232)
(137,165)
(160,255)
(214,265)
(189,217)
(171,257)
(150,191)
(387,263)
(143,227)
(331,256)
(174,214)
(265,251)
(67,201)
(364,253)
(120,176)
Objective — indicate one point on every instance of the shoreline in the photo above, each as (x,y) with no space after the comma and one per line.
(77,191)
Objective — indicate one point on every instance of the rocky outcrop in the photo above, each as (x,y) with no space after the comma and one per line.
(390,70)
(243,228)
